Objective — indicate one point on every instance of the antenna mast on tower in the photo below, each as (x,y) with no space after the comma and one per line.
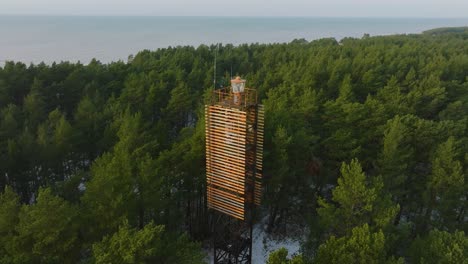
(214,70)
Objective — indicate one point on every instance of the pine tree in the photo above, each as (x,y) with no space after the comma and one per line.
(440,247)
(9,218)
(128,245)
(358,202)
(121,178)
(278,184)
(445,188)
(396,161)
(34,108)
(54,138)
(280,256)
(47,231)
(147,245)
(360,246)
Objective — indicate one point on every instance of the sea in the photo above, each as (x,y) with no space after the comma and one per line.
(35,39)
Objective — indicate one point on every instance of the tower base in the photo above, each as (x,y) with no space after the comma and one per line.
(232,239)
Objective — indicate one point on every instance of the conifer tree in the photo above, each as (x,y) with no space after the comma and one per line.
(280,256)
(440,247)
(358,201)
(396,161)
(123,180)
(147,245)
(47,231)
(9,218)
(360,246)
(445,188)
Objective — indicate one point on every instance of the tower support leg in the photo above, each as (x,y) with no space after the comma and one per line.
(232,240)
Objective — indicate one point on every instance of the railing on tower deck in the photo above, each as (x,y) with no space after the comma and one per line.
(226,97)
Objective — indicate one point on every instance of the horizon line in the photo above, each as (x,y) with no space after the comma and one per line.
(226,16)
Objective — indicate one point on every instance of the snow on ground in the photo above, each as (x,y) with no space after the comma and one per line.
(264,243)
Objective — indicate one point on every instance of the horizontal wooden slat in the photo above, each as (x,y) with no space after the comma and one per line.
(234,120)
(229,134)
(239,208)
(226,211)
(234,197)
(225,134)
(228,161)
(227,184)
(225,149)
(218,160)
(228,202)
(232,114)
(226,129)
(223,198)
(224,109)
(223,130)
(227,144)
(227,153)
(226,175)
(220,164)
(241,119)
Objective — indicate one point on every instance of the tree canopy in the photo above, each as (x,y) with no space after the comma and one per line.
(366,142)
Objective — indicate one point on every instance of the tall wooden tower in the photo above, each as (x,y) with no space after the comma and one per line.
(234,152)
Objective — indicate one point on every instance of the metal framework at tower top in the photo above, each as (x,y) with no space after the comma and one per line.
(234,147)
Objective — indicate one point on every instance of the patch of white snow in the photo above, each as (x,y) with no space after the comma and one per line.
(264,243)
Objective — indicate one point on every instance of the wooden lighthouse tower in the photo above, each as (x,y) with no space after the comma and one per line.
(234,152)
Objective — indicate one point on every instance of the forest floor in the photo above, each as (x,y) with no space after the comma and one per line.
(289,236)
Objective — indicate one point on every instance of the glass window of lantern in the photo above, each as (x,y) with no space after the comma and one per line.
(237,85)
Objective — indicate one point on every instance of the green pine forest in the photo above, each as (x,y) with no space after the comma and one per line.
(366,149)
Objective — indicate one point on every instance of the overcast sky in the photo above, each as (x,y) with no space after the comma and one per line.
(326,8)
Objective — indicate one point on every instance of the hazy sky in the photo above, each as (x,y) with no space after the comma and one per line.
(349,8)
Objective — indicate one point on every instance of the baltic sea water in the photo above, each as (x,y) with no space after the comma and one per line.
(111,38)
